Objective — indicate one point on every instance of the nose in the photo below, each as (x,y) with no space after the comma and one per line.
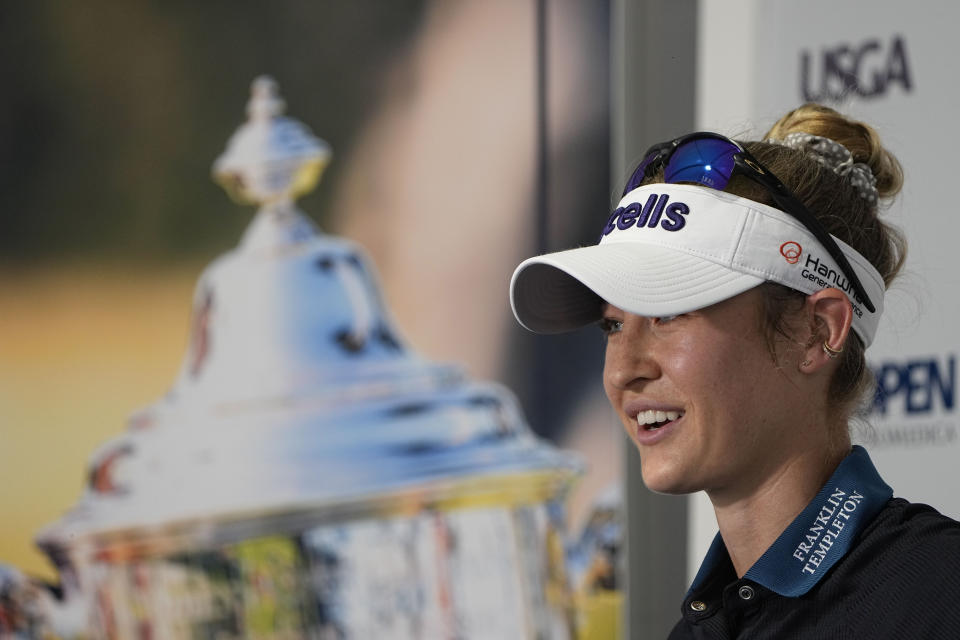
(630,356)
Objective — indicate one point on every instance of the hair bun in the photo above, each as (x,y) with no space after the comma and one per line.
(860,139)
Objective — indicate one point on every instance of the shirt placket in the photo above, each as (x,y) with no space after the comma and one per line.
(742,603)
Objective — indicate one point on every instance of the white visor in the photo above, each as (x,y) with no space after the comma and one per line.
(674,248)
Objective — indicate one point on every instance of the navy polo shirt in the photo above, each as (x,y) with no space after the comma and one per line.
(855,563)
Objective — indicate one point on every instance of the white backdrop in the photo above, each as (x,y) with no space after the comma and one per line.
(891,64)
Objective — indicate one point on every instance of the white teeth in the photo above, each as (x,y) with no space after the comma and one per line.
(651,417)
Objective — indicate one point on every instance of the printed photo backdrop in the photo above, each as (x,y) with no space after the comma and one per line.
(109,214)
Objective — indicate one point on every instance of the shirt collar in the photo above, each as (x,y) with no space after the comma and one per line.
(822,534)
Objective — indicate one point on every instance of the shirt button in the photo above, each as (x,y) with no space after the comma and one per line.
(746,592)
(698,605)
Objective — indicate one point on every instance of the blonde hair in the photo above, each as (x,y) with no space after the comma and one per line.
(844,213)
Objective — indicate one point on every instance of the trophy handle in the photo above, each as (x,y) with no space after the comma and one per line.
(33,608)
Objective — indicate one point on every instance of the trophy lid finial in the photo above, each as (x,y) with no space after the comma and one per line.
(265,101)
(271,158)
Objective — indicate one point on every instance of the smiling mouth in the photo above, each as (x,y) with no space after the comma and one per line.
(651,420)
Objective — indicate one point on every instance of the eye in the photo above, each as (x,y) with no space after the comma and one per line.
(609,326)
(665,319)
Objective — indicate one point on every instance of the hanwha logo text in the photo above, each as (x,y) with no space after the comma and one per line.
(791,252)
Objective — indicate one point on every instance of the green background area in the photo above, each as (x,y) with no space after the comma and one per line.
(113,112)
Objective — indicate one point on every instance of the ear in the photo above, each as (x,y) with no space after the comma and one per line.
(831,315)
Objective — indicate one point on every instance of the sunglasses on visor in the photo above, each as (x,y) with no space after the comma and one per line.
(711,160)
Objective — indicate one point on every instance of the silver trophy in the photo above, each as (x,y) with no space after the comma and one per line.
(308,475)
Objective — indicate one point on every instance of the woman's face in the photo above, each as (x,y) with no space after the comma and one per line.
(702,399)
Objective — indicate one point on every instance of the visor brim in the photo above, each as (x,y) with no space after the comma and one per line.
(566,290)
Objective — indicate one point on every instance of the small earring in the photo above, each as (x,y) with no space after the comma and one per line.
(830,351)
(806,363)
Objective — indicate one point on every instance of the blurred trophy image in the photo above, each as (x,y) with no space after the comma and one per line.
(308,475)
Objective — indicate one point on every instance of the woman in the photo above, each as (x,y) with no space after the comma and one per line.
(737,309)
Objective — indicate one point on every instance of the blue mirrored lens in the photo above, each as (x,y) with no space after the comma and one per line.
(706,161)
